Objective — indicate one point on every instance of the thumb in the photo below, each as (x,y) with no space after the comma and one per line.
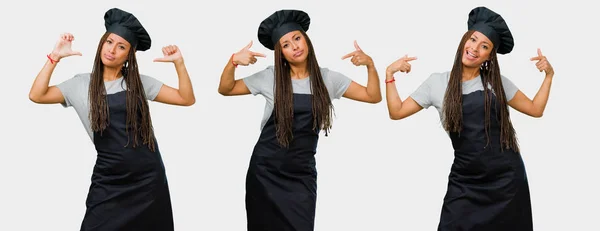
(356,45)
(249,45)
(161,60)
(539,52)
(75,53)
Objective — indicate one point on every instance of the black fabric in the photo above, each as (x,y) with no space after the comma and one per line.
(281,183)
(493,26)
(280,23)
(487,186)
(129,189)
(127,26)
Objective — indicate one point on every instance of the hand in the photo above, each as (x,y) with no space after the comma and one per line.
(171,54)
(401,65)
(358,56)
(63,47)
(245,56)
(542,63)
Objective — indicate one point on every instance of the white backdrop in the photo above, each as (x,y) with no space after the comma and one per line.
(374,173)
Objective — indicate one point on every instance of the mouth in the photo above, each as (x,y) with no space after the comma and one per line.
(298,54)
(470,55)
(109,57)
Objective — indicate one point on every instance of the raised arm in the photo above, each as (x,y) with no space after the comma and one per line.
(397,108)
(228,86)
(40,91)
(184,96)
(372,92)
(535,107)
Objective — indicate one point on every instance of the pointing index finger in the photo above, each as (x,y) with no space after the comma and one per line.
(348,55)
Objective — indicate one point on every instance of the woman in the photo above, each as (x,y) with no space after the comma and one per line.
(129,189)
(281,180)
(487,188)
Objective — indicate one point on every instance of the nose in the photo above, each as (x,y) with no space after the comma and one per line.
(294,46)
(112,49)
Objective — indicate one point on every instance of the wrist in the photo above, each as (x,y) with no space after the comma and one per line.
(233,62)
(371,64)
(178,61)
(389,73)
(54,56)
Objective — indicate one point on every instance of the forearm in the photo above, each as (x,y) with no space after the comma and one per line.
(373,85)
(541,97)
(186,90)
(227,78)
(394,103)
(42,80)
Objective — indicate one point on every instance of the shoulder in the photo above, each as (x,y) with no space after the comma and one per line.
(83,76)
(438,78)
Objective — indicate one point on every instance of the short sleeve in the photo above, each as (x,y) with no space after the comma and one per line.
(71,89)
(339,83)
(151,86)
(423,93)
(510,89)
(258,82)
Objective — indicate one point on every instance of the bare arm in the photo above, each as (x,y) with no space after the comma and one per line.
(40,91)
(535,107)
(184,96)
(372,92)
(397,108)
(228,86)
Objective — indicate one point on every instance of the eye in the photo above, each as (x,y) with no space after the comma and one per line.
(485,47)
(285,45)
(122,47)
(108,41)
(298,38)
(472,39)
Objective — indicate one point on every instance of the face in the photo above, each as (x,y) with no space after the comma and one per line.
(477,50)
(293,46)
(115,51)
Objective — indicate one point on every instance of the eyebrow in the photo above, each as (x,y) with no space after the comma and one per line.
(122,43)
(294,35)
(483,41)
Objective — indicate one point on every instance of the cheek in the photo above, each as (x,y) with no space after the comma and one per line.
(287,53)
(122,54)
(485,55)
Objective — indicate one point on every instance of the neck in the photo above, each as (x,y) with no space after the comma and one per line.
(469,73)
(298,71)
(111,73)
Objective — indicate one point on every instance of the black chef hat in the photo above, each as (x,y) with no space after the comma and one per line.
(280,23)
(493,26)
(127,26)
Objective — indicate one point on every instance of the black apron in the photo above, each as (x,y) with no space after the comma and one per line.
(281,183)
(487,187)
(129,189)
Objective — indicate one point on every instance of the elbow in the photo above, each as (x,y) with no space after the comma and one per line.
(223,92)
(537,114)
(34,98)
(395,117)
(190,102)
(376,100)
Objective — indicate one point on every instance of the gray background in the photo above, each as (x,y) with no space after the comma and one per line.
(374,173)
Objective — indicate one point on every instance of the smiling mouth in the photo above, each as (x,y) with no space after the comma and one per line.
(471,55)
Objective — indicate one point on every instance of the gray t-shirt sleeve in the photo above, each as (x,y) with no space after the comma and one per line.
(423,93)
(151,86)
(339,83)
(71,89)
(259,82)
(510,89)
